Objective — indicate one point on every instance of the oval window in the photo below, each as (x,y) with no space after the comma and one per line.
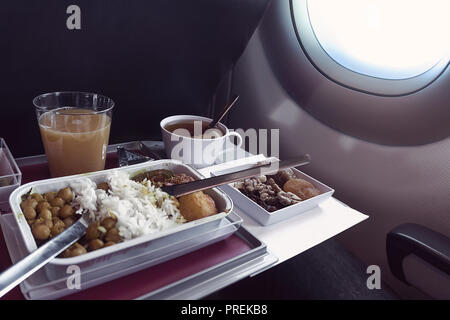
(391,39)
(381,39)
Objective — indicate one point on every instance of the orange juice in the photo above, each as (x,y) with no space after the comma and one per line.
(75,140)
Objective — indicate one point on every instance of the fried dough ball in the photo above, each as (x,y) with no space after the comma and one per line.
(301,188)
(197,205)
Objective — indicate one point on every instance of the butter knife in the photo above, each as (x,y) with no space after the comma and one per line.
(271,168)
(24,268)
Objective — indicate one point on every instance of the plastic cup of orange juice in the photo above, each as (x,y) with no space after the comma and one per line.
(75,130)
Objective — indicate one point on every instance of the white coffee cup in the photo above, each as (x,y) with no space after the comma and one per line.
(198,152)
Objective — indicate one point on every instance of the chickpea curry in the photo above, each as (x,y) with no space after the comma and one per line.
(48,214)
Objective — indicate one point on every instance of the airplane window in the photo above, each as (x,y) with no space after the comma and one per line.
(382,39)
(379,97)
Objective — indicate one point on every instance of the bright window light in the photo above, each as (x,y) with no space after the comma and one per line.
(390,39)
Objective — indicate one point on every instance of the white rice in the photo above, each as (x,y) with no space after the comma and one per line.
(140,208)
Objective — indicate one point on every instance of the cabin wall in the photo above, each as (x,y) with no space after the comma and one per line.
(391,184)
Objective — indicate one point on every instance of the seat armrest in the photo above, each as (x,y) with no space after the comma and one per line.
(406,239)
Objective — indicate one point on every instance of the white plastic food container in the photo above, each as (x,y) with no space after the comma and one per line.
(130,250)
(265,217)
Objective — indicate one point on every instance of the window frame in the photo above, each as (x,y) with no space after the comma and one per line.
(347,77)
(402,120)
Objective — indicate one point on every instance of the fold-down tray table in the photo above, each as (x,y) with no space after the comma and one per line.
(190,276)
(250,250)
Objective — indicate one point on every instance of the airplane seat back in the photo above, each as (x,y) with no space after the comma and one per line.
(153,58)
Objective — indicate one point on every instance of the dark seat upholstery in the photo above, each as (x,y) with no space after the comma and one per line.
(327,271)
(154,58)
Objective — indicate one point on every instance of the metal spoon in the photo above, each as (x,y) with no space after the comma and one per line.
(224,112)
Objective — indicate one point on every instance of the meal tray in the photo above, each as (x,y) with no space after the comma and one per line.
(38,286)
(10,175)
(210,268)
